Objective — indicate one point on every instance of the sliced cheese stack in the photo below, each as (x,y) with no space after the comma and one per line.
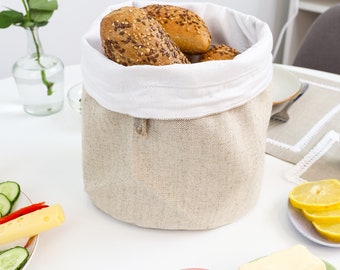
(31,224)
(295,258)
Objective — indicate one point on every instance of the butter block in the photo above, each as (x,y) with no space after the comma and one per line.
(294,258)
(31,224)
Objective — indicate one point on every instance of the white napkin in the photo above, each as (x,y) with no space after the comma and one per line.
(183,91)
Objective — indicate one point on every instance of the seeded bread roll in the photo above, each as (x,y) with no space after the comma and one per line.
(219,52)
(184,26)
(130,36)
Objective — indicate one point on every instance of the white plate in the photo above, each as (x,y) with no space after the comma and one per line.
(285,85)
(306,228)
(29,243)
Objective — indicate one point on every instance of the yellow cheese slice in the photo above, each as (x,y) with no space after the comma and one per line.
(295,258)
(31,224)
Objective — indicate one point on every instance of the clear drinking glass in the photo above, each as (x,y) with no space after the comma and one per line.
(74,96)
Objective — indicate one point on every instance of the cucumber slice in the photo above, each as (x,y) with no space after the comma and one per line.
(329,266)
(13,258)
(5,205)
(11,189)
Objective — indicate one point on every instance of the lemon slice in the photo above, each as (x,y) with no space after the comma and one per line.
(319,195)
(326,216)
(328,231)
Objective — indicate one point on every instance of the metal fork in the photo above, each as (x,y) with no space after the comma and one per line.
(283,114)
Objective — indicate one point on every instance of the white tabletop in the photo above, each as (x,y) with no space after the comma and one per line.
(44,155)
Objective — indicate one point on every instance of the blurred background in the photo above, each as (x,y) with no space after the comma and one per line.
(61,37)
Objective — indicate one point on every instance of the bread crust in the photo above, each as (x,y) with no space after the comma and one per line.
(130,36)
(219,52)
(185,27)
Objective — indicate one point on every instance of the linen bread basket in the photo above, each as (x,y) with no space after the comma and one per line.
(178,147)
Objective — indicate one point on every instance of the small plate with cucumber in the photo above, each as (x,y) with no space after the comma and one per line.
(14,255)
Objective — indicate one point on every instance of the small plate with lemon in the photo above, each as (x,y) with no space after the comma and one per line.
(314,210)
(306,228)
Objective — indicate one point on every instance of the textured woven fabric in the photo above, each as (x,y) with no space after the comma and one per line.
(175,174)
(312,117)
(179,146)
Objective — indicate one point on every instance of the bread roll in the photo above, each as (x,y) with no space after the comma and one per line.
(185,27)
(130,36)
(219,52)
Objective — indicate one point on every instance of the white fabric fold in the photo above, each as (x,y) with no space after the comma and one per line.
(189,90)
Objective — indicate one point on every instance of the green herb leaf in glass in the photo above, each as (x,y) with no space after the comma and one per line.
(38,12)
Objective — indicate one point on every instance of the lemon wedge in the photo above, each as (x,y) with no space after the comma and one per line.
(326,216)
(329,231)
(320,195)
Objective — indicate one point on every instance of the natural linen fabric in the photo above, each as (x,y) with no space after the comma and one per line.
(312,117)
(175,174)
(178,146)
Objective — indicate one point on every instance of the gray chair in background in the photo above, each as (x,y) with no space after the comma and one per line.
(320,47)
